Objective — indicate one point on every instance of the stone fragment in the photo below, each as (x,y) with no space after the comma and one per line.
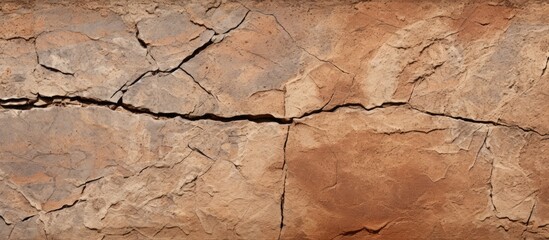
(389,173)
(17,61)
(282,81)
(80,53)
(211,179)
(519,186)
(221,17)
(80,65)
(173,92)
(170,44)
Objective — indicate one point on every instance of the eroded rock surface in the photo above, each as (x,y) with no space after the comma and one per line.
(274,119)
(94,172)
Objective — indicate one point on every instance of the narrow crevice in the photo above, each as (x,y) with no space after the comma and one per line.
(238,25)
(200,85)
(285,176)
(16,101)
(45,66)
(201,25)
(197,150)
(4,220)
(530,215)
(213,7)
(65,206)
(354,232)
(479,150)
(350,105)
(471,120)
(209,116)
(544,68)
(141,41)
(192,55)
(27,104)
(88,182)
(491,188)
(27,218)
(125,87)
(56,70)
(371,231)
(32,38)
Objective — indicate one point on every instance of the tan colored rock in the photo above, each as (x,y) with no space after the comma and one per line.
(92,171)
(497,84)
(17,61)
(481,61)
(518,178)
(91,55)
(105,69)
(270,119)
(220,16)
(170,44)
(283,79)
(392,173)
(173,92)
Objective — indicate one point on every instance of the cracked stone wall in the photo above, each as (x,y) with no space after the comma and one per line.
(274,119)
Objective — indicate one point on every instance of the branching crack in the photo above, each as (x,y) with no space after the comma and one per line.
(127,85)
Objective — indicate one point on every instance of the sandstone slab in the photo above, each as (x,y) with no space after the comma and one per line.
(396,173)
(211,179)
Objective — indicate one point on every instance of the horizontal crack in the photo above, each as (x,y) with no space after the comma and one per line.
(73,100)
(27,104)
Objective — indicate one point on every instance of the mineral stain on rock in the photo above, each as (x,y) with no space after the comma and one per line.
(274,119)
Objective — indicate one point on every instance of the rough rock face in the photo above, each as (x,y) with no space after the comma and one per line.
(274,119)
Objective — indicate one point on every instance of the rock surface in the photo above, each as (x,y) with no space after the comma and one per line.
(109,172)
(274,119)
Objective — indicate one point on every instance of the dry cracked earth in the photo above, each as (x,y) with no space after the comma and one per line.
(274,119)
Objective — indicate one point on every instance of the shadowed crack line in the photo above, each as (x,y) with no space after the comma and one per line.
(4,220)
(141,41)
(372,231)
(544,68)
(17,104)
(200,85)
(27,218)
(56,70)
(283,195)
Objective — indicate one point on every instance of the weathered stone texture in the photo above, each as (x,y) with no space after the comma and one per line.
(274,119)
(90,168)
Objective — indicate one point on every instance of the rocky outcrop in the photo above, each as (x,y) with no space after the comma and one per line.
(274,120)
